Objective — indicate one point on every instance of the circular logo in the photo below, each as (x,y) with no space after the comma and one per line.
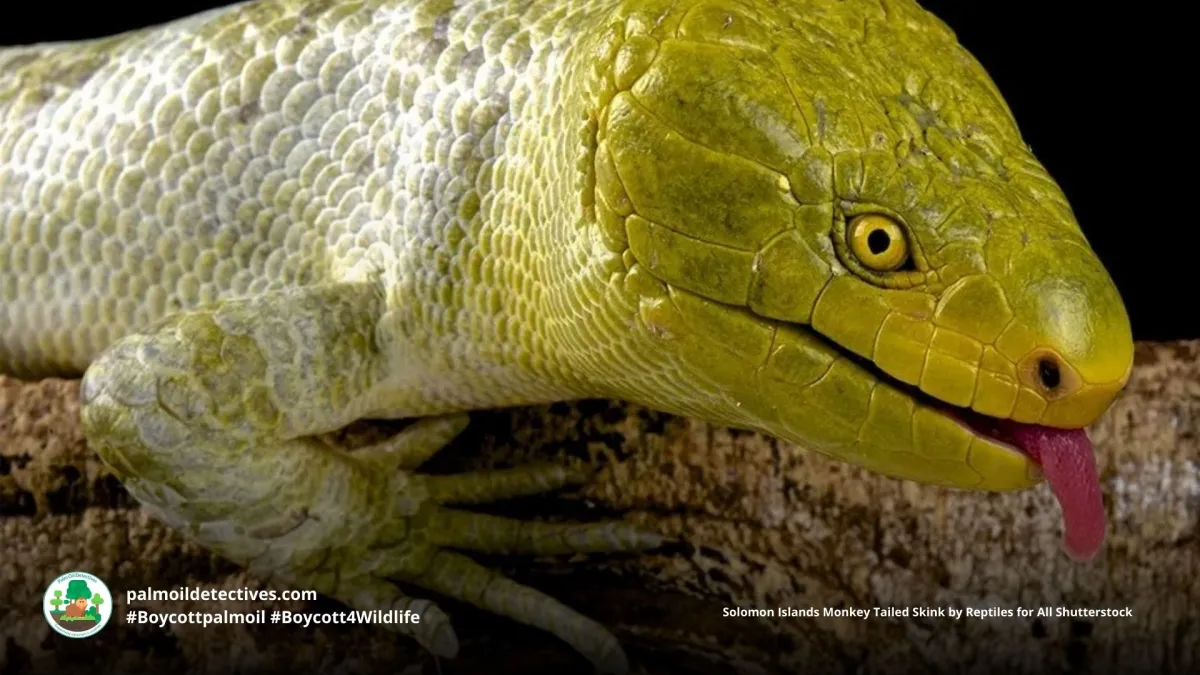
(77,605)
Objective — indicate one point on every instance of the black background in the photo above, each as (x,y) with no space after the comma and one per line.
(1097,93)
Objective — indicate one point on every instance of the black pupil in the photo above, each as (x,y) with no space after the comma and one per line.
(878,241)
(1048,371)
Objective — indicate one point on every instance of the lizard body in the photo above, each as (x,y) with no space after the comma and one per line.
(813,219)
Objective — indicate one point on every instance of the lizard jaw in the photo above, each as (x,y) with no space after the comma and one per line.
(1064,457)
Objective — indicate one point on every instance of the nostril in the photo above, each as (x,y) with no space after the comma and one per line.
(1049,374)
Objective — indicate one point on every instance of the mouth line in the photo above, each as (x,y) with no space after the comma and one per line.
(976,423)
(1063,458)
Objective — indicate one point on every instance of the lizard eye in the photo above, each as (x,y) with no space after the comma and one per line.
(878,242)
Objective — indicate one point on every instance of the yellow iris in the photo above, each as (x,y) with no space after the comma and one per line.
(878,242)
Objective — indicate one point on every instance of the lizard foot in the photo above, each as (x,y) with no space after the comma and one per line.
(429,557)
(211,420)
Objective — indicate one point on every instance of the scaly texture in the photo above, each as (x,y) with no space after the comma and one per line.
(261,223)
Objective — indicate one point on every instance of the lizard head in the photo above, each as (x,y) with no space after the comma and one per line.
(831,218)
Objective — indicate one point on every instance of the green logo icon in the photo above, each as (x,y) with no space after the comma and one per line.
(77,604)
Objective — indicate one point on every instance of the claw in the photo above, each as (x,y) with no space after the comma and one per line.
(413,446)
(481,487)
(433,632)
(459,577)
(494,534)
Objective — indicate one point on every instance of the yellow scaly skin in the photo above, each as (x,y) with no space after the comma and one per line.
(267,221)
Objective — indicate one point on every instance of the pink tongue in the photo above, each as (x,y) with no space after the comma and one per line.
(1069,464)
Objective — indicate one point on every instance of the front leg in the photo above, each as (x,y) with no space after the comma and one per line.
(209,421)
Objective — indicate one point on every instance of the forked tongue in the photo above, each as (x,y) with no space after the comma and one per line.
(1069,464)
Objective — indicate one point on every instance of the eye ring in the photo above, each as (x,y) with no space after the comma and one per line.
(878,242)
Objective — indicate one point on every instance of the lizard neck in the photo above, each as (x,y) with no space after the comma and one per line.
(502,289)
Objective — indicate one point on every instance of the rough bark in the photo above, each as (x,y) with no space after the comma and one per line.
(757,524)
